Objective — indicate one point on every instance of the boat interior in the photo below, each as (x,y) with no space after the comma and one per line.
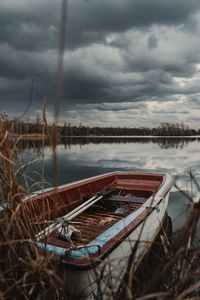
(121,195)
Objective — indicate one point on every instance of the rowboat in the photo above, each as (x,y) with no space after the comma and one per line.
(92,226)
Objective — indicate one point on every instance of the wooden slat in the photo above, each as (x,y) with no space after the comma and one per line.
(134,199)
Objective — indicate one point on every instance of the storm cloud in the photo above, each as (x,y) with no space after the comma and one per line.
(130,62)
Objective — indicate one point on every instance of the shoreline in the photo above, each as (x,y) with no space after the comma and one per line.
(37,137)
(131,136)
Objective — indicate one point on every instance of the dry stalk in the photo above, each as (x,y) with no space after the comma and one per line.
(25,272)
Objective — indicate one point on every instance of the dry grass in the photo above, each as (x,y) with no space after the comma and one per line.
(172,269)
(28,273)
(25,272)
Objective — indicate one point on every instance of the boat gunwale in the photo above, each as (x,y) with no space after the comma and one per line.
(51,190)
(88,262)
(166,182)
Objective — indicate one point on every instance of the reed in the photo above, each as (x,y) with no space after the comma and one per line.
(171,270)
(25,272)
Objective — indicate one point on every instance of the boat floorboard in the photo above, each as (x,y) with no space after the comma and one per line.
(92,224)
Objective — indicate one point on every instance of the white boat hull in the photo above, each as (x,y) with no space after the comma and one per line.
(105,278)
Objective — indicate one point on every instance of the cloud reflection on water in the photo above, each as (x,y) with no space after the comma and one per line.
(77,161)
(175,156)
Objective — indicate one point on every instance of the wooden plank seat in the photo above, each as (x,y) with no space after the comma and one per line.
(133,199)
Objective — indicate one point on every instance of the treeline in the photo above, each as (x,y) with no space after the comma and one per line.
(165,129)
(38,126)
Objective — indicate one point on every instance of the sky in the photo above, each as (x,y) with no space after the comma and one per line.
(127,63)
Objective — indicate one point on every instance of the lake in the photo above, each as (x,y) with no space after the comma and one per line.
(79,158)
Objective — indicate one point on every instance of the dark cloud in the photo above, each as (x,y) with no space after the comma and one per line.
(84,88)
(23,64)
(172,63)
(29,25)
(88,18)
(29,36)
(34,25)
(152,42)
(119,54)
(114,107)
(80,89)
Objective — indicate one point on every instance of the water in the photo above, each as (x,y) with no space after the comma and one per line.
(82,158)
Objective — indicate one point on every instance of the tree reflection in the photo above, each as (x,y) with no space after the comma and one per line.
(164,143)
